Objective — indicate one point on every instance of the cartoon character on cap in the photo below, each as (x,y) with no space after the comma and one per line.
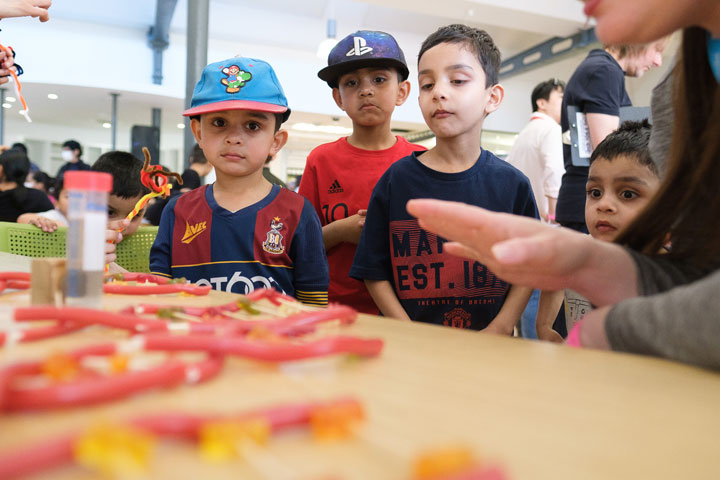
(236,78)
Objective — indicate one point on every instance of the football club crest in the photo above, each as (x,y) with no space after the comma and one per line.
(273,242)
(457,318)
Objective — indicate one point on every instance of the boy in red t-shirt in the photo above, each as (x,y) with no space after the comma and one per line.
(368,76)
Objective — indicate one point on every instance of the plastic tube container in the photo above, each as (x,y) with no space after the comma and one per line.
(87,223)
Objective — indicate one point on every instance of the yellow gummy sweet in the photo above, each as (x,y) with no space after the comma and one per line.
(443,462)
(114,450)
(224,440)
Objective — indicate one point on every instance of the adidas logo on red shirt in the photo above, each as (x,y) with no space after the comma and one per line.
(335,187)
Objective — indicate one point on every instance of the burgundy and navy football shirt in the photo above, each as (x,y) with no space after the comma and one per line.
(275,243)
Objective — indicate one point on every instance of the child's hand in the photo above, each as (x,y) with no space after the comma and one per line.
(353,226)
(549,335)
(113,237)
(114,268)
(44,224)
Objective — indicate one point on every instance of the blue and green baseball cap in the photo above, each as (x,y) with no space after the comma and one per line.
(238,84)
(364,48)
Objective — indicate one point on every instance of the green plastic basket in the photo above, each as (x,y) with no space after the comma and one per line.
(133,253)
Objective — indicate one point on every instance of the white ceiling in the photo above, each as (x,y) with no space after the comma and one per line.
(291,24)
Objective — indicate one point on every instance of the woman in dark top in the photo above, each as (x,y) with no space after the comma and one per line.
(15,198)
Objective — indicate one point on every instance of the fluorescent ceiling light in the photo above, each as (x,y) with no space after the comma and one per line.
(181,126)
(6,105)
(52,96)
(107,124)
(10,99)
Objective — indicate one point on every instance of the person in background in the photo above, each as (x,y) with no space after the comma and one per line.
(367,83)
(406,268)
(50,220)
(537,152)
(622,180)
(15,197)
(663,305)
(71,153)
(597,89)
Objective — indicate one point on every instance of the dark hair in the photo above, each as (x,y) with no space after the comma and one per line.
(19,146)
(15,167)
(73,145)
(46,180)
(58,187)
(125,169)
(687,204)
(632,140)
(477,41)
(197,155)
(544,89)
(279,119)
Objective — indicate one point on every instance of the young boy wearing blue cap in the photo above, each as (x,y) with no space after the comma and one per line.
(368,76)
(242,233)
(406,268)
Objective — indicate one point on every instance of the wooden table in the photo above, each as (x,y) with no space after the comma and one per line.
(540,410)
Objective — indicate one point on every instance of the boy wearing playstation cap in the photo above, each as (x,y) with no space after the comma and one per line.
(241,232)
(368,76)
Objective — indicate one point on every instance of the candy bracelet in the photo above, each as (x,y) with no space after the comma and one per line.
(95,388)
(111,448)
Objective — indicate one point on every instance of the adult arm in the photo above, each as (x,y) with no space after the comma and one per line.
(551,156)
(387,302)
(680,324)
(525,252)
(25,8)
(600,126)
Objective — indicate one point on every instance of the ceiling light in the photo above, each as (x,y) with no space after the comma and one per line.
(6,105)
(326,45)
(107,124)
(52,96)
(10,99)
(311,127)
(181,126)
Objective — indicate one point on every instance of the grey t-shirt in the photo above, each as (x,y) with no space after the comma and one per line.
(662,121)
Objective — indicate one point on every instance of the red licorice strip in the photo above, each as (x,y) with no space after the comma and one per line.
(15,280)
(41,333)
(189,288)
(265,351)
(32,459)
(88,316)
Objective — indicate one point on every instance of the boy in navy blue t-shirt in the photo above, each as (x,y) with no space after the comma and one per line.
(242,233)
(404,267)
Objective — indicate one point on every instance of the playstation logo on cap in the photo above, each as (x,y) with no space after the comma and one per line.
(362,49)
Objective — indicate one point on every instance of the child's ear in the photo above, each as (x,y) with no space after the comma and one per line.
(338,98)
(279,141)
(195,127)
(497,93)
(403,93)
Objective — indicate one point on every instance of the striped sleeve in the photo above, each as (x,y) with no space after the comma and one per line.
(319,298)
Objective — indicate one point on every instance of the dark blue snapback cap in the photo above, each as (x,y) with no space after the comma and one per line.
(362,49)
